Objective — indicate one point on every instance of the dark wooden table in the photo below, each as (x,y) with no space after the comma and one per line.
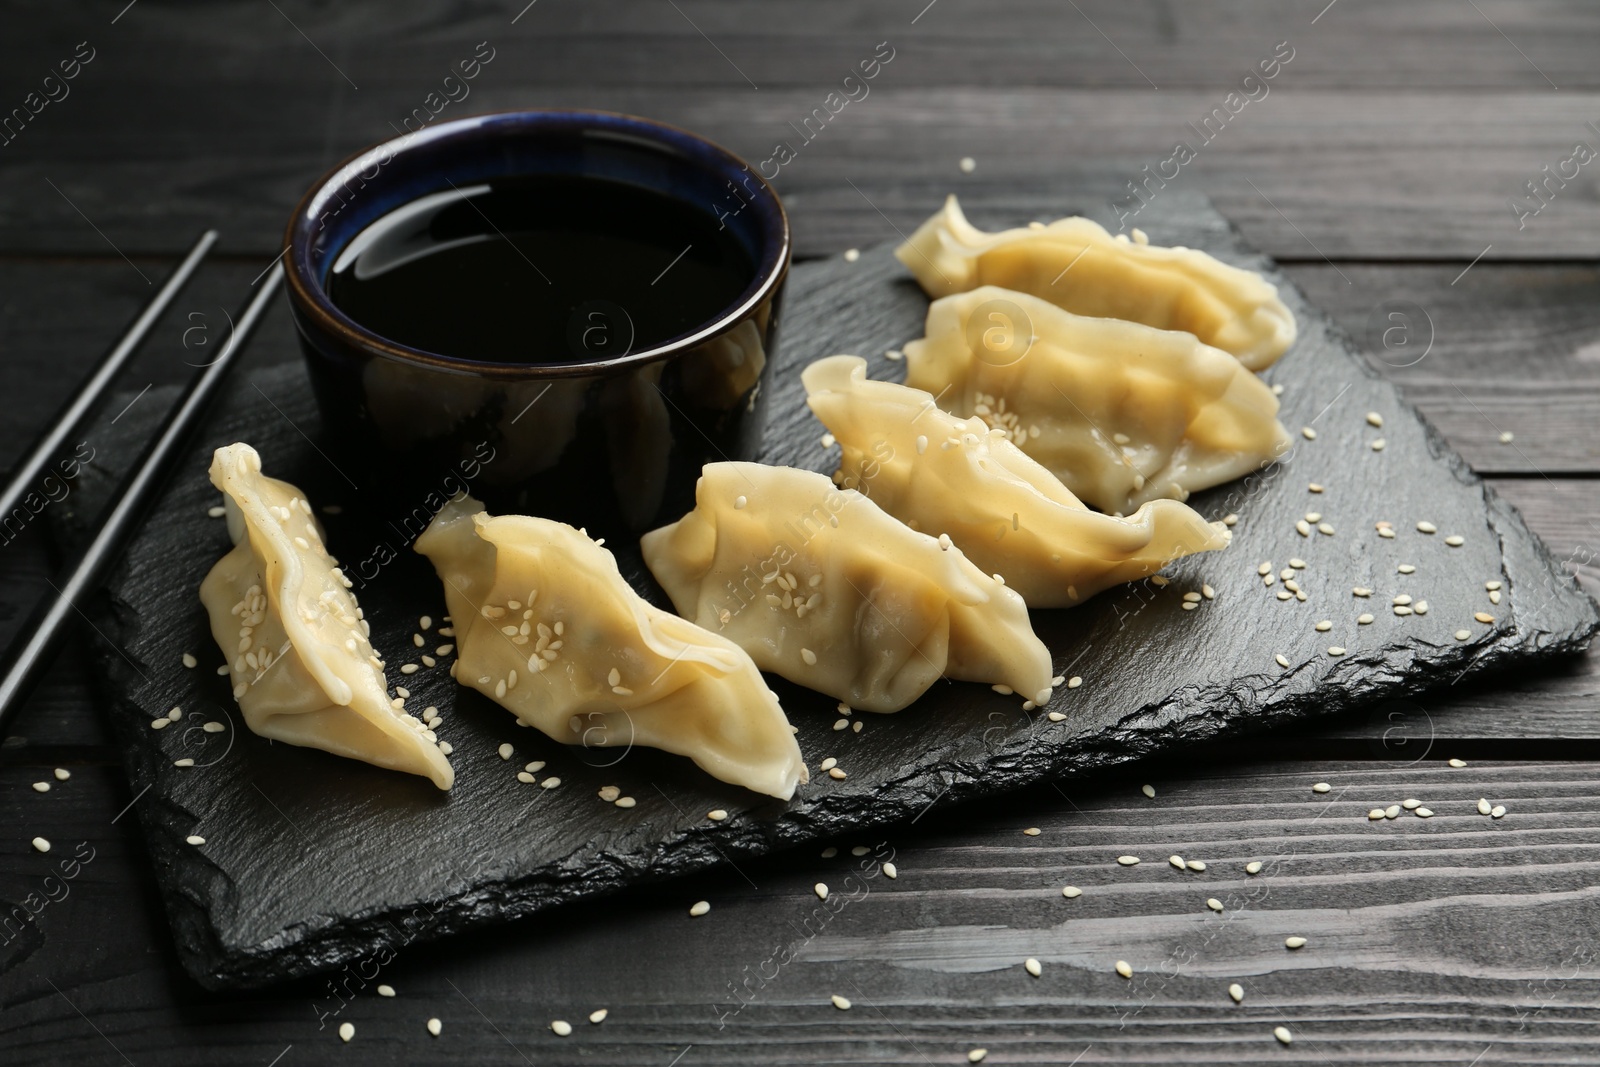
(1387,161)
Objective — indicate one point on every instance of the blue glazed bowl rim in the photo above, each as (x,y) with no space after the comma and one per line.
(310,297)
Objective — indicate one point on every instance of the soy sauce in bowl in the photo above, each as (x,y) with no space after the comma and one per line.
(540,269)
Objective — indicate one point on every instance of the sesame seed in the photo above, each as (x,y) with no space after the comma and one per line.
(1074,682)
(1176,861)
(1392,811)
(1491,586)
(1071,892)
(699,908)
(1230,519)
(1282,1034)
(890,871)
(1213,903)
(1494,596)
(1032,966)
(1335,650)
(347,1031)
(1191,597)
(1411,804)
(1283,661)
(195,839)
(1424,813)
(1128,861)
(1462,635)
(164,722)
(599,1016)
(41,844)
(1484,617)
(1402,599)
(1455,540)
(561,1028)
(1148,790)
(828,764)
(1402,610)
(1375,814)
(1361,591)
(538,765)
(968,165)
(386,990)
(809,656)
(625,802)
(506,750)
(1294,942)
(1308,433)
(1483,806)
(1420,607)
(857,726)
(842,1003)
(1406,568)
(1458,763)
(62,774)
(1374,419)
(435,1026)
(1236,991)
(189,660)
(837,774)
(524,777)
(1123,969)
(1325,528)
(41,787)
(739,502)
(1303,528)
(716,814)
(1324,626)
(216,512)
(852,254)
(1265,569)
(1377,446)
(1277,389)
(1364,618)
(185,762)
(976,1055)
(1427,527)
(1498,812)
(1386,532)
(1032,831)
(821,890)
(1321,787)
(1253,867)
(1315,487)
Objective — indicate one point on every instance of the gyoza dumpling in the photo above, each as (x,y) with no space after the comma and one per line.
(281,610)
(1075,264)
(547,627)
(1121,413)
(941,474)
(824,587)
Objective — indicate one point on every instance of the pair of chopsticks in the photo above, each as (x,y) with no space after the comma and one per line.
(30,653)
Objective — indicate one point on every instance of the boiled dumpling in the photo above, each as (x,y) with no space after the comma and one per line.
(825,588)
(1075,264)
(1121,413)
(302,667)
(547,627)
(942,474)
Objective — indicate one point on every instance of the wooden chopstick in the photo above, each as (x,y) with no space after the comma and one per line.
(29,653)
(27,475)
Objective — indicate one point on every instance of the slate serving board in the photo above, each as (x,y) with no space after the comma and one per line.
(311,862)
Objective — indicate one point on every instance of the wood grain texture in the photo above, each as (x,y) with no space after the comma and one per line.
(1440,937)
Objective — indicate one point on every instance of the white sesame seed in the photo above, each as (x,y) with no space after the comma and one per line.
(347,1031)
(699,908)
(561,1028)
(1253,867)
(1236,991)
(857,726)
(598,1016)
(41,787)
(716,814)
(842,1003)
(1148,790)
(216,512)
(1324,626)
(1032,831)
(890,871)
(1282,1034)
(1494,596)
(185,762)
(1462,635)
(852,254)
(1498,812)
(1458,763)
(1265,569)
(550,783)
(435,1027)
(41,844)
(1386,532)
(1303,528)
(1506,437)
(164,722)
(1128,861)
(525,778)
(1364,619)
(1377,446)
(1191,597)
(821,890)
(1176,861)
(1214,904)
(1325,529)
(1071,892)
(828,764)
(968,165)
(386,990)
(1074,682)
(1406,568)
(976,1055)
(1374,419)
(1375,814)
(1424,813)
(809,656)
(506,750)
(1294,942)
(1411,803)
(1392,811)
(1283,661)
(62,774)
(195,839)
(1455,540)
(1335,650)
(1361,591)
(1032,966)
(1427,527)
(1230,519)
(1315,487)
(1402,599)
(837,774)
(1123,969)
(1308,433)
(1483,806)
(1321,787)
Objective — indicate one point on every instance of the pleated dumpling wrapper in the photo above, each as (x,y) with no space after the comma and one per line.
(1121,413)
(825,588)
(1076,264)
(547,627)
(303,669)
(961,477)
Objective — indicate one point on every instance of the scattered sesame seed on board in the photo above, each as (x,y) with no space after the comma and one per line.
(1457,763)
(1277,389)
(821,890)
(1462,635)
(1308,433)
(1265,568)
(1236,991)
(841,724)
(1176,861)
(1033,966)
(561,1028)
(1491,586)
(1074,682)
(1253,867)
(1321,787)
(1336,650)
(1498,812)
(1148,790)
(1424,813)
(852,254)
(1123,969)
(828,764)
(1484,617)
(1032,831)
(435,1027)
(977,1055)
(1392,811)
(625,802)
(41,844)
(506,750)
(1324,626)
(837,774)
(1411,803)
(1230,519)
(842,1003)
(1364,619)
(1325,528)
(1294,942)
(216,512)
(1427,527)
(1282,1034)
(1361,591)
(41,787)
(195,839)
(62,774)
(1071,892)
(1506,437)
(1303,528)
(347,1031)
(1213,903)
(1484,807)
(1128,861)
(598,1016)
(1405,568)
(890,871)
(524,777)
(1315,487)
(1455,540)
(386,990)
(185,762)
(716,814)
(968,165)
(1283,660)
(1377,446)
(699,908)
(857,726)
(1375,814)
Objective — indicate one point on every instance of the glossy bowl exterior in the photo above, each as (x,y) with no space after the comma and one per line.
(614,443)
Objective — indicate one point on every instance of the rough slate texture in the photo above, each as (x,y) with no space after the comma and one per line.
(311,861)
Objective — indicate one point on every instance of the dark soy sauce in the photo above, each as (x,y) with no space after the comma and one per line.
(543,269)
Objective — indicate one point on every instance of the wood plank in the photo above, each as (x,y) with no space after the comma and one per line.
(1429,940)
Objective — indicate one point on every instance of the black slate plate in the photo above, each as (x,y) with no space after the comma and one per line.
(312,862)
